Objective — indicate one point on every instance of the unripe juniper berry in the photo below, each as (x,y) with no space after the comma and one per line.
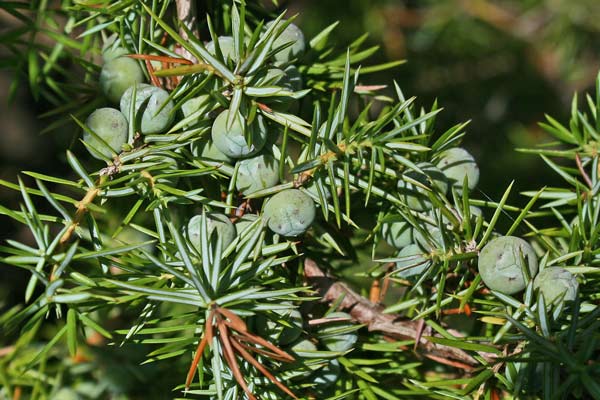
(216,223)
(244,222)
(208,150)
(456,163)
(416,197)
(154,104)
(289,212)
(117,75)
(232,141)
(397,234)
(333,334)
(304,348)
(257,173)
(555,283)
(412,261)
(501,264)
(226,46)
(291,34)
(111,126)
(278,332)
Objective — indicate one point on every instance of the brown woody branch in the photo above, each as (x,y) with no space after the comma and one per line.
(392,325)
(186,13)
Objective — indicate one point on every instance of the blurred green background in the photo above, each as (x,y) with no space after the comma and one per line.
(501,64)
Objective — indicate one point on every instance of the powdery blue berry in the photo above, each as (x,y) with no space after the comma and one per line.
(117,75)
(231,141)
(289,212)
(328,375)
(226,45)
(456,163)
(111,126)
(257,173)
(154,104)
(208,150)
(412,261)
(429,240)
(244,222)
(198,106)
(304,349)
(501,264)
(277,332)
(217,224)
(555,283)
(112,48)
(335,336)
(276,77)
(397,234)
(416,197)
(291,34)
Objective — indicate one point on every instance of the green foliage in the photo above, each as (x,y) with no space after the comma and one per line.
(156,251)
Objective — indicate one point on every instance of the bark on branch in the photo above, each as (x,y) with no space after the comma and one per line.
(186,13)
(365,312)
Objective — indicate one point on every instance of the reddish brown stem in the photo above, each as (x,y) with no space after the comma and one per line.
(264,107)
(163,59)
(206,339)
(258,350)
(252,338)
(586,177)
(261,368)
(375,291)
(153,78)
(235,322)
(230,357)
(455,364)
(392,325)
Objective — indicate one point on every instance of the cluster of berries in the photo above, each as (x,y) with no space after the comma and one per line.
(454,167)
(502,261)
(241,143)
(505,260)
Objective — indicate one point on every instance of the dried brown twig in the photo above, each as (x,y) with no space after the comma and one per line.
(392,325)
(226,322)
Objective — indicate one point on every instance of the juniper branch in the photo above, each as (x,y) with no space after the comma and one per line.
(392,325)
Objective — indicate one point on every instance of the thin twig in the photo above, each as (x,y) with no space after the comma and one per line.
(206,339)
(252,338)
(248,357)
(365,312)
(82,208)
(236,322)
(586,177)
(241,341)
(230,357)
